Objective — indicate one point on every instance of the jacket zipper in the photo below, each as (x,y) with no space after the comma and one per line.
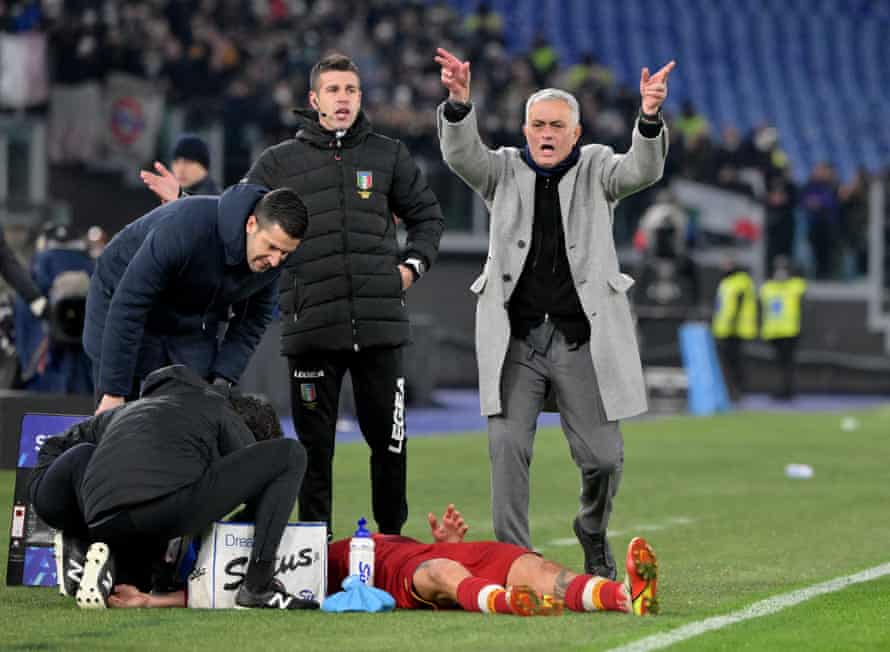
(298,302)
(209,306)
(338,156)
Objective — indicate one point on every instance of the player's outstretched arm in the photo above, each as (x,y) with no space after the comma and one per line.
(126,596)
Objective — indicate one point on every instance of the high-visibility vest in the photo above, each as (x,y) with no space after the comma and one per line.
(780,305)
(734,318)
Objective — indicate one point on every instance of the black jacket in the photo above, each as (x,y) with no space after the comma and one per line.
(206,186)
(342,290)
(175,274)
(151,447)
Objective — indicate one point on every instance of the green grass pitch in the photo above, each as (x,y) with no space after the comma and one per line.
(709,493)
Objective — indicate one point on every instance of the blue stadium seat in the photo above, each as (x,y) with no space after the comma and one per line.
(814,68)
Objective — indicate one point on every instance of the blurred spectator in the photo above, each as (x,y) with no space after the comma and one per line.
(52,359)
(588,71)
(97,238)
(728,179)
(853,197)
(691,124)
(190,173)
(484,24)
(12,271)
(191,166)
(780,221)
(781,300)
(734,321)
(821,205)
(544,60)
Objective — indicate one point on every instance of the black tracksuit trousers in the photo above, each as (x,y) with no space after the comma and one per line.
(378,382)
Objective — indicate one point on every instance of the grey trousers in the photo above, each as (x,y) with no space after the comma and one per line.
(596,444)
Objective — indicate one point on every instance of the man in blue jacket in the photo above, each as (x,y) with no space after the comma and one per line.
(166,283)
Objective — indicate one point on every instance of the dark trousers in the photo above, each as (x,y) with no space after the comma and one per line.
(730,351)
(378,382)
(56,491)
(266,476)
(785,349)
(595,443)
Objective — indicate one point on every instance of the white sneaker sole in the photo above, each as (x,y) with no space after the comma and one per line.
(89,595)
(58,547)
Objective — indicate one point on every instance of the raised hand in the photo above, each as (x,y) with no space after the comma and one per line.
(653,89)
(109,402)
(452,529)
(455,75)
(163,184)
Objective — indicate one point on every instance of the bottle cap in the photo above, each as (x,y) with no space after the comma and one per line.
(362,531)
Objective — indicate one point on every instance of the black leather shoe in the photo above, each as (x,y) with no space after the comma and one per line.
(598,559)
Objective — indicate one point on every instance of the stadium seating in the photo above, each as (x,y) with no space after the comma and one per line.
(810,67)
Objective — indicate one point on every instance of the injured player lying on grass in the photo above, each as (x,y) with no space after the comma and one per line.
(484,576)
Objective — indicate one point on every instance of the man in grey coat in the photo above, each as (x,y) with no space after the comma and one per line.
(553,320)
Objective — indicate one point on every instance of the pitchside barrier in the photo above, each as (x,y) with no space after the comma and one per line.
(220,561)
(30,560)
(706,389)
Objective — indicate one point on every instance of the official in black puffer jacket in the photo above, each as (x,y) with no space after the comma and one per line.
(343,292)
(165,284)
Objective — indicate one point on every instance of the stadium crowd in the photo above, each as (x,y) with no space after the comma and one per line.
(245,63)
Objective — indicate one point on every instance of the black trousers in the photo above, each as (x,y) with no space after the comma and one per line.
(729,349)
(56,491)
(785,349)
(266,476)
(378,382)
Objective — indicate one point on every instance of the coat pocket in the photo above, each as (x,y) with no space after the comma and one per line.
(621,282)
(478,286)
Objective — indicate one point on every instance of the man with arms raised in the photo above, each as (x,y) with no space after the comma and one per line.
(553,320)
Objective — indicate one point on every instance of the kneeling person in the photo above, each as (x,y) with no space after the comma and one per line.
(167,465)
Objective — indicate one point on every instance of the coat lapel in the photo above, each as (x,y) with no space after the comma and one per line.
(525,179)
(566,190)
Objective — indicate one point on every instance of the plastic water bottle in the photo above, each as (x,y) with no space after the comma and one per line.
(361,554)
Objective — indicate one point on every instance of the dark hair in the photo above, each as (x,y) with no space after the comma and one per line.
(192,147)
(334,61)
(285,208)
(259,415)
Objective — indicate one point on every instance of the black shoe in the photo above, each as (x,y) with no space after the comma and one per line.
(70,555)
(98,578)
(598,558)
(274,596)
(165,570)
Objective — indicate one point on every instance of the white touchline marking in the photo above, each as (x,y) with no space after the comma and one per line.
(645,527)
(758,609)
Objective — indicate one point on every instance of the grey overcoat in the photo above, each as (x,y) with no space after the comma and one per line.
(588,194)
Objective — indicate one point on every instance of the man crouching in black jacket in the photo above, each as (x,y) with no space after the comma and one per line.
(167,465)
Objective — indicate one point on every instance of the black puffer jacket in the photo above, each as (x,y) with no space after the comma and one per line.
(341,289)
(152,447)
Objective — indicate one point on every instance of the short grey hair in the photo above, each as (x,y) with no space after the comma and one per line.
(554,94)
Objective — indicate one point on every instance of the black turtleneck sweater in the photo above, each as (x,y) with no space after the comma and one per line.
(546,289)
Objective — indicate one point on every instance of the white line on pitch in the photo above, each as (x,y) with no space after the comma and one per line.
(758,609)
(636,529)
